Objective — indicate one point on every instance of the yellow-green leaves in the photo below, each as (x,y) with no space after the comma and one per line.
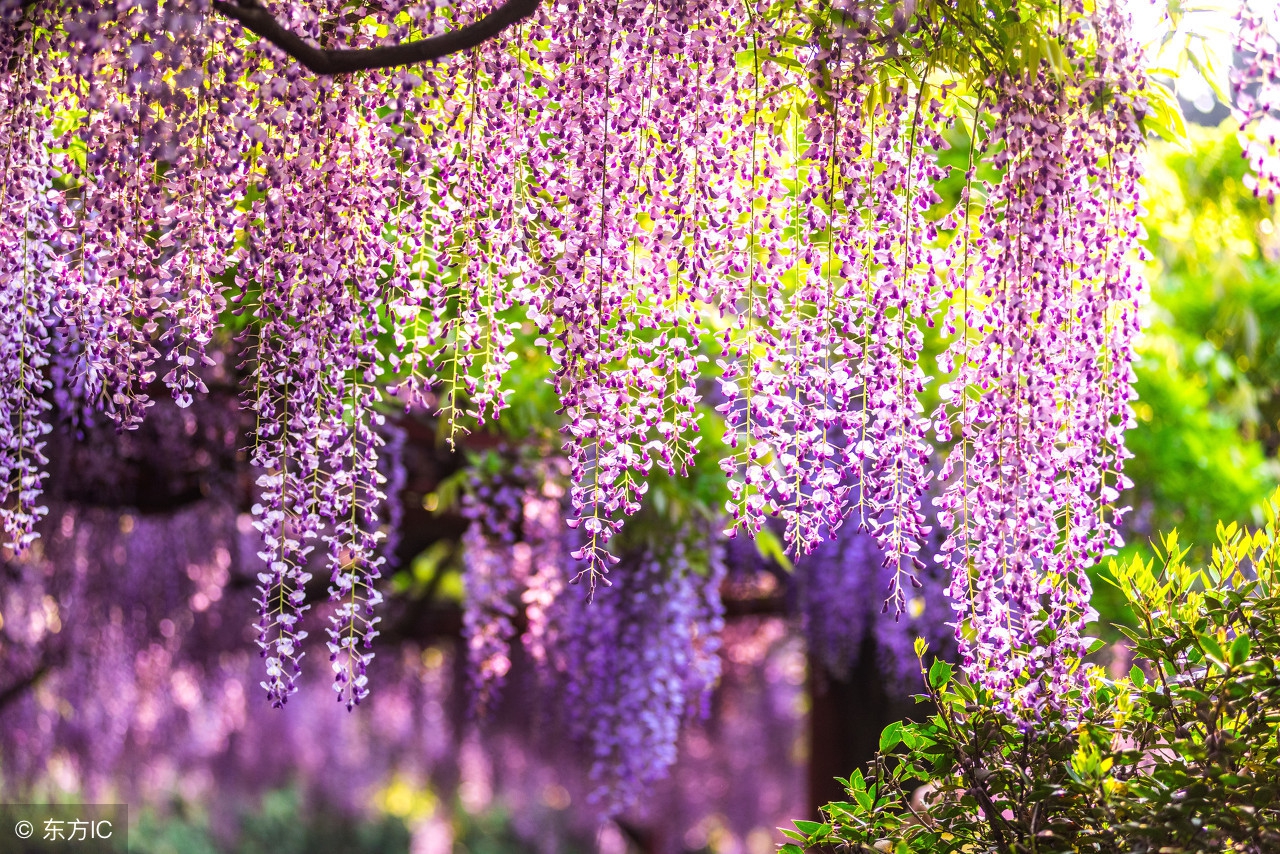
(1165,115)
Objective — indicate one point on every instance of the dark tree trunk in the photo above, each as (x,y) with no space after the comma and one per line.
(846,717)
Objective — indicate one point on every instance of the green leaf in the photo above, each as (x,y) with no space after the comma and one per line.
(808,828)
(1240,648)
(865,800)
(1137,676)
(1131,634)
(939,674)
(891,737)
(1211,647)
(790,848)
(786,61)
(1195,695)
(1165,116)
(1210,68)
(771,548)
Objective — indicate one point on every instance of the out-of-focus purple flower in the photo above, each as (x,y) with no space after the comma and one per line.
(637,661)
(1255,83)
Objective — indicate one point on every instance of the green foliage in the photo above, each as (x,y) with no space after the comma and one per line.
(968,41)
(280,826)
(1181,755)
(1191,463)
(1215,248)
(170,835)
(1202,220)
(492,832)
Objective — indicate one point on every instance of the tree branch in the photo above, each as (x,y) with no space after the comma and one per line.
(17,689)
(255,18)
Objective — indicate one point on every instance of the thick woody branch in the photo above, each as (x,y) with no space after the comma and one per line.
(256,19)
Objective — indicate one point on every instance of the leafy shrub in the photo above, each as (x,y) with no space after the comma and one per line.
(1179,756)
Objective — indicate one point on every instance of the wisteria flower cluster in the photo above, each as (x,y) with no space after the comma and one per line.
(840,587)
(629,664)
(1255,85)
(1049,313)
(660,191)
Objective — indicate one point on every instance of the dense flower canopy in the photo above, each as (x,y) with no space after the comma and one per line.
(726,208)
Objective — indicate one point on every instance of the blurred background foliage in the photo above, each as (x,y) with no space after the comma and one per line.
(281,825)
(284,823)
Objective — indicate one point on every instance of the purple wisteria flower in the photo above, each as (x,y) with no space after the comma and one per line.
(1256,86)
(628,663)
(1047,296)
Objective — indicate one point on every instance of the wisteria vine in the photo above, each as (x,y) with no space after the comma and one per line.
(657,191)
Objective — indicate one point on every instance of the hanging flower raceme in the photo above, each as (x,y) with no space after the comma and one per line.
(317,369)
(628,664)
(493,576)
(1047,300)
(33,215)
(181,188)
(822,378)
(1255,83)
(631,180)
(637,661)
